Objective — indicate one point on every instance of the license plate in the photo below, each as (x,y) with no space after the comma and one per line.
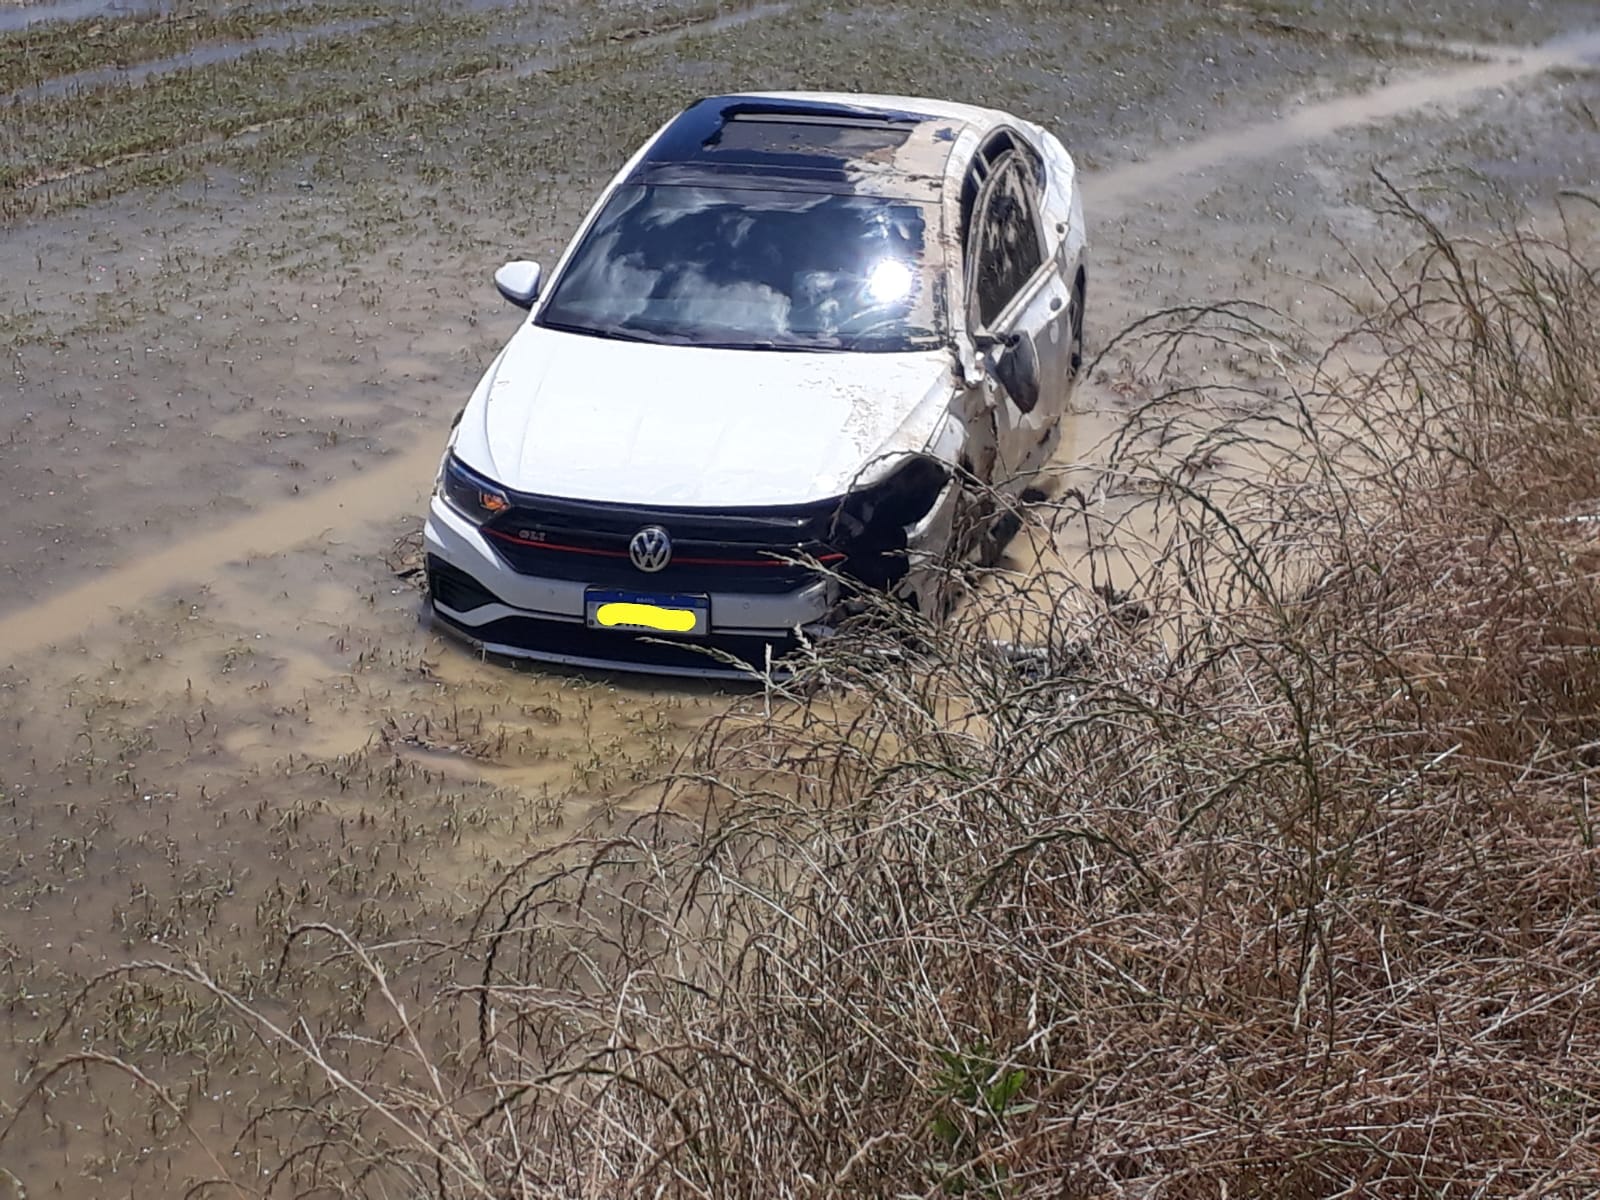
(632,612)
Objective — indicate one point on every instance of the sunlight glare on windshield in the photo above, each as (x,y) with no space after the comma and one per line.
(889,281)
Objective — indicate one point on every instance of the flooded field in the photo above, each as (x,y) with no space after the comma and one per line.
(248,257)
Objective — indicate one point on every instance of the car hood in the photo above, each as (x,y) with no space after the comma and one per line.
(561,414)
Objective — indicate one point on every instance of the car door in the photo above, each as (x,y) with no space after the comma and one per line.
(1019,309)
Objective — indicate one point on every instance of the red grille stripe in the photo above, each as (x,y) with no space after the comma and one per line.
(692,562)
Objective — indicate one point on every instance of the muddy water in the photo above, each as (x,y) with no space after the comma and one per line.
(15,15)
(1120,186)
(200,56)
(643,40)
(20,14)
(1065,552)
(249,706)
(398,486)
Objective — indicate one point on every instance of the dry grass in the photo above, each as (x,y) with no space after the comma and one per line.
(1275,876)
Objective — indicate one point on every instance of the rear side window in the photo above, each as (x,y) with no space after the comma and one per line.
(1003,249)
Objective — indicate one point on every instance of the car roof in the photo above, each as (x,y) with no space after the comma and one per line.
(887,146)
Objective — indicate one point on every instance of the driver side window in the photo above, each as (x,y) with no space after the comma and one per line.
(1003,245)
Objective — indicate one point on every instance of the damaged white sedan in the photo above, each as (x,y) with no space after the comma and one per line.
(795,330)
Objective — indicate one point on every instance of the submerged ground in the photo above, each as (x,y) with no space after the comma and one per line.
(247,257)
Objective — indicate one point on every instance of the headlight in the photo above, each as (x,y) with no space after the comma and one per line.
(901,500)
(470,494)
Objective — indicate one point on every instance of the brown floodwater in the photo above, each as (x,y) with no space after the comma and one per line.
(224,405)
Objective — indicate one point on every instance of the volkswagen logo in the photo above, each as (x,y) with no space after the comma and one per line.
(651,548)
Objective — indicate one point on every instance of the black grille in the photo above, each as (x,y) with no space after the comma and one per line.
(454,588)
(755,572)
(626,650)
(734,551)
(861,535)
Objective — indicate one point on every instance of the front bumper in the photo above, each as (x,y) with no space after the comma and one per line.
(477,596)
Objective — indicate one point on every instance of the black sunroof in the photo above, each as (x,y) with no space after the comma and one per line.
(840,142)
(784,138)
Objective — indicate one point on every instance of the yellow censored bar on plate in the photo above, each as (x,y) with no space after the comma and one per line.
(646,616)
(661,612)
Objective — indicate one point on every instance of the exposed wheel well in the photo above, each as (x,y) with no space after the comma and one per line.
(1080,294)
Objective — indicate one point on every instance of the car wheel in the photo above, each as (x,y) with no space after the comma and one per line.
(1001,531)
(987,529)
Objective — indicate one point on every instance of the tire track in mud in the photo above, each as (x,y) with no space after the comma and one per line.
(1119,186)
(394,486)
(397,486)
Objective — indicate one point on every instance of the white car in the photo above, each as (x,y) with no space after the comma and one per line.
(795,328)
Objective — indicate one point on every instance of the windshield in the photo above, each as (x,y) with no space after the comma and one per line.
(754,269)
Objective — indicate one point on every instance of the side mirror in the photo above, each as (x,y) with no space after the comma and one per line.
(1018,370)
(519,282)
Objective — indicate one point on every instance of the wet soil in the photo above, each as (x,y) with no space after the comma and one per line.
(244,307)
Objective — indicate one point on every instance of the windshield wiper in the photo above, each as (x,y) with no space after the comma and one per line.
(621,333)
(815,344)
